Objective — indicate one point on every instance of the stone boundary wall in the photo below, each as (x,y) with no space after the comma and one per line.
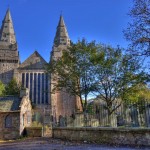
(119,136)
(33,131)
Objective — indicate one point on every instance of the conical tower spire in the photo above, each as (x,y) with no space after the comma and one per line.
(7,33)
(61,37)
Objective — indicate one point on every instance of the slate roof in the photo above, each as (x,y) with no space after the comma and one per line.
(9,103)
(34,61)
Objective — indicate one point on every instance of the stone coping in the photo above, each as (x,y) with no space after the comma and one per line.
(16,111)
(36,128)
(105,135)
(103,128)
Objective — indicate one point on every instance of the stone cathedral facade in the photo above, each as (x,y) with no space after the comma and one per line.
(31,73)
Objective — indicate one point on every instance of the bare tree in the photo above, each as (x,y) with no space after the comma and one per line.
(138,31)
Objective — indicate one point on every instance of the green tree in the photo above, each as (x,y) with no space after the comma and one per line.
(74,71)
(137,96)
(114,74)
(138,31)
(13,88)
(87,68)
(2,89)
(138,93)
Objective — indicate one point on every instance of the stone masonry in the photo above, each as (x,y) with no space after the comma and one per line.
(9,56)
(32,73)
(63,103)
(15,115)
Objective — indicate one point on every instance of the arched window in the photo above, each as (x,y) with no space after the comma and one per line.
(8,121)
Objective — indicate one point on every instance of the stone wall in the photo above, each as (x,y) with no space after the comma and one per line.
(116,136)
(38,131)
(10,132)
(33,131)
(25,113)
(9,60)
(48,131)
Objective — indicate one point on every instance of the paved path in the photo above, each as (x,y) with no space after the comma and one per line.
(53,144)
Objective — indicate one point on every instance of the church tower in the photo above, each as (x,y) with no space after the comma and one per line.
(62,103)
(9,56)
(61,37)
(61,40)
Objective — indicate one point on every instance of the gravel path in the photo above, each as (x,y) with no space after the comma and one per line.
(53,144)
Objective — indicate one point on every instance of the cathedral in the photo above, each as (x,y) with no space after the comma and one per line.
(31,73)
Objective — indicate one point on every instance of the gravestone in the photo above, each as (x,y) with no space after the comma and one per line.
(134,116)
(62,121)
(120,121)
(147,114)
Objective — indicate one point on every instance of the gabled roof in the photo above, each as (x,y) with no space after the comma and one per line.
(34,61)
(9,103)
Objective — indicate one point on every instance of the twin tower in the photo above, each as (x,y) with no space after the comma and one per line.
(31,73)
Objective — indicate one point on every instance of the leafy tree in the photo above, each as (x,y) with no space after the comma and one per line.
(115,73)
(138,93)
(2,89)
(13,88)
(138,31)
(138,96)
(87,68)
(74,71)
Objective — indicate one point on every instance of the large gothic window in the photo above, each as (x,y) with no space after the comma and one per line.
(27,80)
(39,87)
(31,79)
(35,84)
(23,78)
(8,121)
(46,101)
(43,88)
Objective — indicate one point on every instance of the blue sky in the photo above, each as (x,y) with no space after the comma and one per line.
(35,22)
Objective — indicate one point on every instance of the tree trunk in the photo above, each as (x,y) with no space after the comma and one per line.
(109,115)
(85,111)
